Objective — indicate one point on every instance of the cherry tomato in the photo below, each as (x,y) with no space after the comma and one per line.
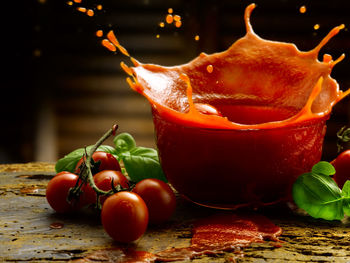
(107,162)
(103,181)
(159,198)
(57,191)
(124,216)
(342,168)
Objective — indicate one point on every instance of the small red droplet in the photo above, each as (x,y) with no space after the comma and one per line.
(57,225)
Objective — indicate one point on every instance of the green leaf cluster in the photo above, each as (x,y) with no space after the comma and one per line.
(319,195)
(139,162)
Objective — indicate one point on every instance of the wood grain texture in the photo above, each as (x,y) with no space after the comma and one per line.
(32,232)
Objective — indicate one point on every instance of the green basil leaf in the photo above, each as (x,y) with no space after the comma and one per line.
(145,152)
(324,168)
(346,196)
(68,162)
(141,163)
(346,206)
(346,189)
(124,142)
(319,196)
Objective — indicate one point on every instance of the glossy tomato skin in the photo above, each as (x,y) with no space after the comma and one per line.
(159,198)
(342,168)
(107,162)
(63,172)
(103,181)
(57,192)
(88,196)
(124,216)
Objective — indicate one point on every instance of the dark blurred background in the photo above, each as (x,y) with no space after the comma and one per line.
(63,90)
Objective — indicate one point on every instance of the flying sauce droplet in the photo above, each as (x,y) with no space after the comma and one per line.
(81,9)
(169,19)
(70,3)
(317,26)
(99,33)
(177,18)
(178,24)
(161,24)
(77,1)
(99,7)
(90,12)
(107,44)
(196,37)
(302,9)
(158,36)
(170,10)
(210,68)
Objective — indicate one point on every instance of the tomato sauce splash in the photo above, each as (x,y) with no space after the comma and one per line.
(251,71)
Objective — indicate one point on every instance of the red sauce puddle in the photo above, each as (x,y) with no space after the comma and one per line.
(211,236)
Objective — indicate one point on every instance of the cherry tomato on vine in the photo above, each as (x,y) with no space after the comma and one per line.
(342,168)
(107,162)
(103,181)
(124,216)
(159,198)
(57,192)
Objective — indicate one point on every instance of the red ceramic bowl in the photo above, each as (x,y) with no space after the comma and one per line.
(227,168)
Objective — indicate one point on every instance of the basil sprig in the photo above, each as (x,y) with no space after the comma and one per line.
(139,162)
(319,195)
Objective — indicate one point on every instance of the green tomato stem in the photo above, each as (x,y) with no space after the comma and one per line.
(86,175)
(90,179)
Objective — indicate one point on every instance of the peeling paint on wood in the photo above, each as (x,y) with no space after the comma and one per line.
(31,231)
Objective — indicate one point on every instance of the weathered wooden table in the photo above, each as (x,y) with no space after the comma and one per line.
(32,232)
